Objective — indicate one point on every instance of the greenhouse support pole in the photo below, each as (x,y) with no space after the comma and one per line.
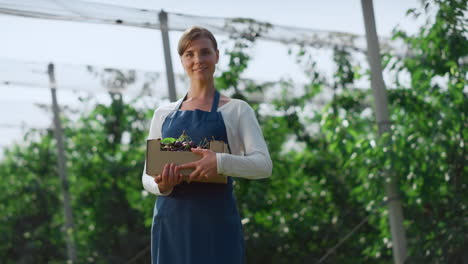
(69,232)
(382,115)
(167,56)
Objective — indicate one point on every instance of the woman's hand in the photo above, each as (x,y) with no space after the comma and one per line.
(206,167)
(169,178)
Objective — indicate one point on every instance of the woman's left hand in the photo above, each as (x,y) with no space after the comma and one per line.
(206,167)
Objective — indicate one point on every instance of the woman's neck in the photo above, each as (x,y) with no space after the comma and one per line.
(201,91)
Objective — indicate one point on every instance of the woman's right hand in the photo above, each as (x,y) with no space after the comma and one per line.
(168,179)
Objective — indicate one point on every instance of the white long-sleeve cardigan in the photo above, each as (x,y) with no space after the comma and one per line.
(249,156)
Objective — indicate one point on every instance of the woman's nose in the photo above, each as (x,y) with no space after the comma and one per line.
(198,58)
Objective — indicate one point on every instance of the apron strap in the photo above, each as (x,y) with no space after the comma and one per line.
(214,107)
(177,108)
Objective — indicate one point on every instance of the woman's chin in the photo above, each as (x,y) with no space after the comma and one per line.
(201,78)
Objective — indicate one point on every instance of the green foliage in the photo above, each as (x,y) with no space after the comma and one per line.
(430,125)
(168,140)
(29,224)
(243,33)
(106,150)
(338,172)
(105,155)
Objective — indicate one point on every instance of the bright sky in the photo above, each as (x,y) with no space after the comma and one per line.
(25,39)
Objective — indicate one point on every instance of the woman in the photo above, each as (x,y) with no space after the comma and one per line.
(199,222)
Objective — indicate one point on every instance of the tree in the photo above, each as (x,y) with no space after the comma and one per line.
(105,151)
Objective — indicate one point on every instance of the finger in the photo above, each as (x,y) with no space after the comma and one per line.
(199,151)
(186,178)
(190,165)
(158,179)
(203,174)
(172,175)
(176,170)
(169,173)
(196,149)
(180,178)
(177,176)
(168,179)
(165,174)
(194,175)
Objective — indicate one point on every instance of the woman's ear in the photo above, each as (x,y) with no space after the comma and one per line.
(217,56)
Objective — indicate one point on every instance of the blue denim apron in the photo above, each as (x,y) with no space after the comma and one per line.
(197,222)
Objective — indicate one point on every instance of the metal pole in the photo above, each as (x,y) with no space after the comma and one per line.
(381,110)
(167,56)
(69,232)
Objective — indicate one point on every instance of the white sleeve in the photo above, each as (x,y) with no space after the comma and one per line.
(256,162)
(155,132)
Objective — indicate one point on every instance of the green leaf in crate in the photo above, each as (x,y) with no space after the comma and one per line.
(168,140)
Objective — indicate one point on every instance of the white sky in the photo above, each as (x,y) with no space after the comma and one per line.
(25,39)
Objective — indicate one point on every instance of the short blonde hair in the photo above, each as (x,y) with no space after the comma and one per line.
(194,33)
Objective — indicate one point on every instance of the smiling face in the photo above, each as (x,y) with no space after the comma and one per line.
(199,59)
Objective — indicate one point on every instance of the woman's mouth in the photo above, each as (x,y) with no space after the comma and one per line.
(199,69)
